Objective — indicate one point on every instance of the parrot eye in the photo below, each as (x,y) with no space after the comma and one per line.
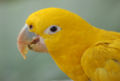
(52,29)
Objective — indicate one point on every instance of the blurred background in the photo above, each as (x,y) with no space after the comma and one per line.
(40,67)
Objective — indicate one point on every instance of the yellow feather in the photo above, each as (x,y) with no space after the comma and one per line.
(78,41)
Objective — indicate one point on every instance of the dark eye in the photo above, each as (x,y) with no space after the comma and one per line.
(30,26)
(52,29)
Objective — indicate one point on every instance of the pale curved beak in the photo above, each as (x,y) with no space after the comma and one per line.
(29,41)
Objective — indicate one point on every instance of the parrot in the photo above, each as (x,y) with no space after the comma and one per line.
(82,51)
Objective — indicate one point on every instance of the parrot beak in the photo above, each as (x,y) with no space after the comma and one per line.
(29,41)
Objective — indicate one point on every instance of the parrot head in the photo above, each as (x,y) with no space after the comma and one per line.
(53,29)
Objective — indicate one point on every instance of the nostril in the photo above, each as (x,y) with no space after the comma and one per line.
(30,26)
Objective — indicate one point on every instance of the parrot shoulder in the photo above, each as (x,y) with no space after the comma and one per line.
(101,61)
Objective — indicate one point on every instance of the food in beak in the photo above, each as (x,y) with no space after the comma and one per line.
(29,41)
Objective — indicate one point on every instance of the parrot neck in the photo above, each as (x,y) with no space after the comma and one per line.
(67,54)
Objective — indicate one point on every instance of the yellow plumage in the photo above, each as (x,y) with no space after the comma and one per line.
(82,51)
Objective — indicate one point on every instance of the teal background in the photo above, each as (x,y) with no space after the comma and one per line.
(40,67)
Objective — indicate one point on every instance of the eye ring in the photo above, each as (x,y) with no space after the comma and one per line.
(52,29)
